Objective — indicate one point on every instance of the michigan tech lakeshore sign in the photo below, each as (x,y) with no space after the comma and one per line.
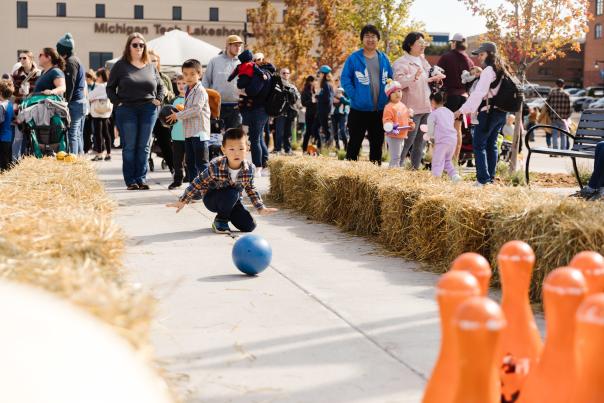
(159,29)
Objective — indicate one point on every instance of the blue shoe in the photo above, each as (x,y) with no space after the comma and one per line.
(221,226)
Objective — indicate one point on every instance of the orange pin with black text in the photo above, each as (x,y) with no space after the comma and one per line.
(452,289)
(521,343)
(478,266)
(478,325)
(589,350)
(592,266)
(551,379)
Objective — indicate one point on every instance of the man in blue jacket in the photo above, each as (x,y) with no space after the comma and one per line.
(364,79)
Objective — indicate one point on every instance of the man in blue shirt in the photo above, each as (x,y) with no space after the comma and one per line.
(364,79)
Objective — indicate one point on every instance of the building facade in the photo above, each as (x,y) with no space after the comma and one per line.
(593,70)
(100,27)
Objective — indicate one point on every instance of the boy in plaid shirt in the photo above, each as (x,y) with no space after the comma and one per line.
(221,184)
(195,119)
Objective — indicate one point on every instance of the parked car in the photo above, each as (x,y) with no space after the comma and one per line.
(535,102)
(599,104)
(574,91)
(596,92)
(581,102)
(535,91)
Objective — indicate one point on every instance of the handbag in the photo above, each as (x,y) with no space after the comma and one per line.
(102,106)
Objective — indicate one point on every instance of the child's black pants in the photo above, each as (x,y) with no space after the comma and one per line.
(226,203)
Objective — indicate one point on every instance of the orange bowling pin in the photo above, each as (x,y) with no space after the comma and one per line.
(521,344)
(589,350)
(478,266)
(453,288)
(592,266)
(478,324)
(551,380)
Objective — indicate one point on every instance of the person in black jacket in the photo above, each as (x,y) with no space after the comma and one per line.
(324,105)
(309,101)
(283,123)
(75,93)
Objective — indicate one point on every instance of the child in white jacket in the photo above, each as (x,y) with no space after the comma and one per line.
(100,111)
(441,128)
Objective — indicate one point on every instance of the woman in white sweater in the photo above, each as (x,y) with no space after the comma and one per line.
(100,110)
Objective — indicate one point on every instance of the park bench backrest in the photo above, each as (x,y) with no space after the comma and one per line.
(590,130)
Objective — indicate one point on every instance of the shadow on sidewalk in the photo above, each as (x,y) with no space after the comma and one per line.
(171,236)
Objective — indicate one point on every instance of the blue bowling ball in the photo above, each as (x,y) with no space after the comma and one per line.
(252,254)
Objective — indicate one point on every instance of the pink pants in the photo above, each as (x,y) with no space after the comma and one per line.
(442,159)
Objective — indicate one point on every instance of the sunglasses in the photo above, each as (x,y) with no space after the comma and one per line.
(138,45)
(23,58)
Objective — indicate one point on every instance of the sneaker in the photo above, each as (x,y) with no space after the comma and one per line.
(134,186)
(143,186)
(456,178)
(175,185)
(265,172)
(97,158)
(108,158)
(586,192)
(258,172)
(220,226)
(598,195)
(478,184)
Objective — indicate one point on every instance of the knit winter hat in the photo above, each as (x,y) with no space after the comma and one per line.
(392,86)
(66,44)
(245,56)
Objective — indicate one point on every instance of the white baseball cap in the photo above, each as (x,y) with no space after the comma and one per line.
(457,38)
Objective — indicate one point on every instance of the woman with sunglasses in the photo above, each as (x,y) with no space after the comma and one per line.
(136,91)
(52,79)
(24,80)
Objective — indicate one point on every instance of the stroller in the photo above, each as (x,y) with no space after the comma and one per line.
(216,125)
(466,154)
(44,121)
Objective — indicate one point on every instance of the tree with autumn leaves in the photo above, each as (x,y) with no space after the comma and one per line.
(529,32)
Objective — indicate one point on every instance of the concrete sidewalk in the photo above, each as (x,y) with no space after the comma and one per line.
(330,321)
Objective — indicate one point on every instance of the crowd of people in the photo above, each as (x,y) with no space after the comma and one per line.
(405,104)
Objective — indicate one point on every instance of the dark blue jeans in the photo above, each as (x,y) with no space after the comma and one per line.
(485,144)
(339,129)
(196,156)
(76,128)
(597,177)
(226,203)
(283,133)
(255,120)
(229,113)
(135,124)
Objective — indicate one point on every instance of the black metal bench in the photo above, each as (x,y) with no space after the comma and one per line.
(590,132)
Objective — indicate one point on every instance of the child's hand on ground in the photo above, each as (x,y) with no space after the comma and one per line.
(178,205)
(267,211)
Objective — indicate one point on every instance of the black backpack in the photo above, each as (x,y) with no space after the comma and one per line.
(276,100)
(510,96)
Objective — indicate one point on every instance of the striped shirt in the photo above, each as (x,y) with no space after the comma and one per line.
(196,115)
(217,176)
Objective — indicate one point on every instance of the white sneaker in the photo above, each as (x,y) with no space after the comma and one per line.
(456,178)
(478,184)
(258,172)
(265,172)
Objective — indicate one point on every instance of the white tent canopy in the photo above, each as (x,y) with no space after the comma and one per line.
(176,46)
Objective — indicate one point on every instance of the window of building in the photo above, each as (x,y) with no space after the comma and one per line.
(139,12)
(598,31)
(61,10)
(213,13)
(99,11)
(177,13)
(21,14)
(599,7)
(98,59)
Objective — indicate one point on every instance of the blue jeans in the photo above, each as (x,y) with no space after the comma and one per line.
(558,134)
(196,157)
(597,177)
(135,124)
(339,129)
(283,133)
(485,144)
(76,128)
(229,113)
(255,120)
(226,203)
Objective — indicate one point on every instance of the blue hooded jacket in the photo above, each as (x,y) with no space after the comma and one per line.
(356,84)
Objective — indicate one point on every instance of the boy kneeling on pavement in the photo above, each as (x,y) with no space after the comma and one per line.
(221,184)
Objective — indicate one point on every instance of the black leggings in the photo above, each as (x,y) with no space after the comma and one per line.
(226,203)
(103,137)
(164,141)
(6,155)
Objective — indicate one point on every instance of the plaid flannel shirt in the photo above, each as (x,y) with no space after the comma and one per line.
(196,115)
(217,176)
(559,102)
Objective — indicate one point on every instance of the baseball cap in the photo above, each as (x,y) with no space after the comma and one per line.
(486,47)
(258,56)
(231,39)
(325,69)
(457,38)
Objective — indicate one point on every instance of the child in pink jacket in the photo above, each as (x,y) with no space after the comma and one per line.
(397,122)
(441,128)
